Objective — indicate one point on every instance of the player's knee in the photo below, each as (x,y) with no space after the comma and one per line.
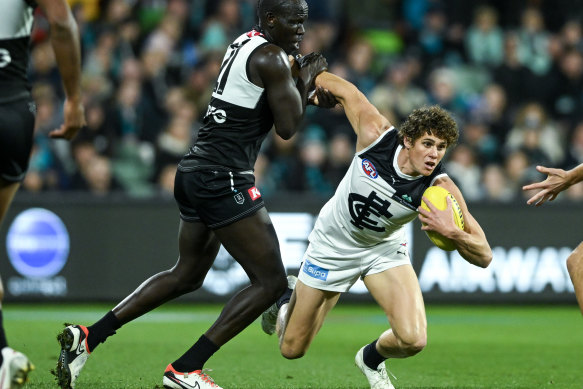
(292,350)
(275,285)
(186,283)
(412,342)
(570,263)
(574,259)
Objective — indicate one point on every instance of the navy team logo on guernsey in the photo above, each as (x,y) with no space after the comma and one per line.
(315,271)
(37,243)
(369,169)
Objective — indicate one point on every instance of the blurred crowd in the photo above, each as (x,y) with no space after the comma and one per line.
(511,72)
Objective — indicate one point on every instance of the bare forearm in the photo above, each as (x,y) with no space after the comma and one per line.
(356,106)
(576,174)
(65,43)
(472,245)
(339,87)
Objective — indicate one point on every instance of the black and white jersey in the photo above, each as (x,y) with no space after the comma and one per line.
(16,21)
(238,116)
(373,202)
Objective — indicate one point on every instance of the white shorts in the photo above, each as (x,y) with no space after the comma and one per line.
(337,271)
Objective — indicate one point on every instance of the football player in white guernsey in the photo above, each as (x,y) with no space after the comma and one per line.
(359,232)
(17,113)
(557,181)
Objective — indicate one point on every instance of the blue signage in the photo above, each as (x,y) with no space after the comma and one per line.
(37,243)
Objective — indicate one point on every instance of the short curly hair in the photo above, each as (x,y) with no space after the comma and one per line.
(432,120)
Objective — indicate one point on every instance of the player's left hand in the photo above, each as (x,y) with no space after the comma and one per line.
(557,180)
(74,113)
(322,98)
(437,220)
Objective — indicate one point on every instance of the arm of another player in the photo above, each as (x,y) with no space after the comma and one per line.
(287,99)
(367,122)
(65,43)
(471,243)
(557,181)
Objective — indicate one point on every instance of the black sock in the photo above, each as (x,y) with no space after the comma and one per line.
(196,356)
(371,356)
(284,298)
(102,329)
(3,341)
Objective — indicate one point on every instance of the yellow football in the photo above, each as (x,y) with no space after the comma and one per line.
(437,196)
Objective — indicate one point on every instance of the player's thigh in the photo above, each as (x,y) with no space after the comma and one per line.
(198,246)
(16,138)
(7,192)
(398,293)
(229,204)
(306,313)
(253,243)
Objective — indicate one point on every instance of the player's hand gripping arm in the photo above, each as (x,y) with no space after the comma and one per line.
(471,243)
(557,181)
(286,97)
(65,43)
(367,122)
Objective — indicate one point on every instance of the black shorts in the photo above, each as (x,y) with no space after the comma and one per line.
(16,135)
(217,196)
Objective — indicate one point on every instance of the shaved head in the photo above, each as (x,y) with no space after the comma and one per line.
(280,8)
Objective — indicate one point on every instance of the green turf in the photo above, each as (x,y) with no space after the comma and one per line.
(469,347)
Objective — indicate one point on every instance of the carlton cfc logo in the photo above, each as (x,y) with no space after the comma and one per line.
(369,169)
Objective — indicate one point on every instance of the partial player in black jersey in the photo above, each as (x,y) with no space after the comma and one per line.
(217,198)
(17,115)
(359,233)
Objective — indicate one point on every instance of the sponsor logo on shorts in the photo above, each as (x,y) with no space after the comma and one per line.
(369,169)
(254,193)
(315,271)
(403,249)
(239,198)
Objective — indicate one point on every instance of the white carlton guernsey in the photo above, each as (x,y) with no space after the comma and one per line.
(371,205)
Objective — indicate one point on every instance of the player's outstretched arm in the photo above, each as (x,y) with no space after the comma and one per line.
(471,243)
(557,181)
(65,43)
(367,122)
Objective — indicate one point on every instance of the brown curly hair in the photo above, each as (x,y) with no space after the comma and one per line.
(432,120)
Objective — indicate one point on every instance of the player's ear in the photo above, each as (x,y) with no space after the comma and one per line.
(270,19)
(407,142)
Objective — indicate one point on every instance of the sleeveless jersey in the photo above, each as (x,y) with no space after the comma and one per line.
(372,203)
(16,21)
(238,117)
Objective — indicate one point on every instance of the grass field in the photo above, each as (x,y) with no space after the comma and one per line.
(469,347)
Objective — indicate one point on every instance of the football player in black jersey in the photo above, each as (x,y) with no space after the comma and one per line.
(557,181)
(17,115)
(395,167)
(218,201)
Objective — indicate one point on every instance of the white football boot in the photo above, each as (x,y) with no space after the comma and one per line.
(14,370)
(378,379)
(269,317)
(74,354)
(193,380)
